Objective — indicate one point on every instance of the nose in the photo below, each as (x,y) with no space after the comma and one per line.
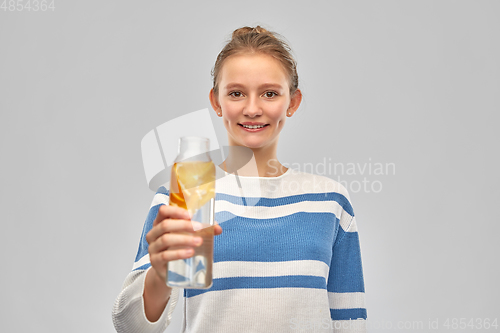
(252,108)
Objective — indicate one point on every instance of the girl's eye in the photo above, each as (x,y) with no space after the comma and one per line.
(268,94)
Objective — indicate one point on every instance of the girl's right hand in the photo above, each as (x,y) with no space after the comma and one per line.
(171,237)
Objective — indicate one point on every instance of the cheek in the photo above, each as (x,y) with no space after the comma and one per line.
(227,123)
(282,122)
(231,112)
(229,118)
(279,113)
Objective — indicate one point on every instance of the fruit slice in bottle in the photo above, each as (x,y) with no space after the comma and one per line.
(192,184)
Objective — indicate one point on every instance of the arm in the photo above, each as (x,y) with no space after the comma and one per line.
(129,313)
(145,303)
(346,292)
(156,295)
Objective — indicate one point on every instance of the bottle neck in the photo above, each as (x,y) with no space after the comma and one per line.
(193,149)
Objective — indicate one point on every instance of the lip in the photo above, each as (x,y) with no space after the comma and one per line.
(251,123)
(252,129)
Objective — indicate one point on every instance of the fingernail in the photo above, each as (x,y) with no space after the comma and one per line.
(197,240)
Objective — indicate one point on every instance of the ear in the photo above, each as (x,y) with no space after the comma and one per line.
(295,102)
(214,101)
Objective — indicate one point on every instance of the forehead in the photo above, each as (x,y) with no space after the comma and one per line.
(248,69)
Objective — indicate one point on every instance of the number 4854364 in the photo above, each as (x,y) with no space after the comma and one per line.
(464,323)
(27,5)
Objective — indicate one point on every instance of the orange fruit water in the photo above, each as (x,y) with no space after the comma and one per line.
(192,184)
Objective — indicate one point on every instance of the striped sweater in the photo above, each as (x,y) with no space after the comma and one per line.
(288,260)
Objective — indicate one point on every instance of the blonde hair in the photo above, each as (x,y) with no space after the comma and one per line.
(258,40)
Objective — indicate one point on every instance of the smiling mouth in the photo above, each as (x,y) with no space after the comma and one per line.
(253,126)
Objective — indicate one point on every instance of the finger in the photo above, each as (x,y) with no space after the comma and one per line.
(172,240)
(217,229)
(171,225)
(159,260)
(171,212)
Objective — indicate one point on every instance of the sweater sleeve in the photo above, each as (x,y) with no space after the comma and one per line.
(128,310)
(346,291)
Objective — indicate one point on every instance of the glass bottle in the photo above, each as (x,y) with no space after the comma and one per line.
(192,187)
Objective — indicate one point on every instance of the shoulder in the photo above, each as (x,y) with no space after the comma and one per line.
(320,188)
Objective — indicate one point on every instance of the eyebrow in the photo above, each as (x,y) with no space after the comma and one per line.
(265,85)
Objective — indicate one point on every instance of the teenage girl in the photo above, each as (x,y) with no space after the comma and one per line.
(287,262)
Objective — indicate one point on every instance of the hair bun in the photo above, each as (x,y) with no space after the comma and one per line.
(246,30)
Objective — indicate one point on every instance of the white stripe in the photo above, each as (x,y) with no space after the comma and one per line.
(271,187)
(226,269)
(349,326)
(262,212)
(353,227)
(160,198)
(144,260)
(345,222)
(276,310)
(346,300)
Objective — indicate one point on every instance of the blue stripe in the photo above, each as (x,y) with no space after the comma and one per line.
(143,244)
(174,277)
(162,190)
(346,314)
(229,198)
(340,234)
(299,236)
(266,202)
(346,272)
(273,202)
(148,225)
(247,282)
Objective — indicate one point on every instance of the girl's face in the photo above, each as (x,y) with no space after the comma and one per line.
(254,91)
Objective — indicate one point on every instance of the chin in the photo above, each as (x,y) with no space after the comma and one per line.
(253,144)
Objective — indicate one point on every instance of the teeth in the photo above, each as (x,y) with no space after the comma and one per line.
(253,126)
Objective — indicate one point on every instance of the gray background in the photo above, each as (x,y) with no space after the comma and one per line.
(414,83)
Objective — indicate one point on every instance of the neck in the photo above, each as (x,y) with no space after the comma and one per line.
(258,162)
